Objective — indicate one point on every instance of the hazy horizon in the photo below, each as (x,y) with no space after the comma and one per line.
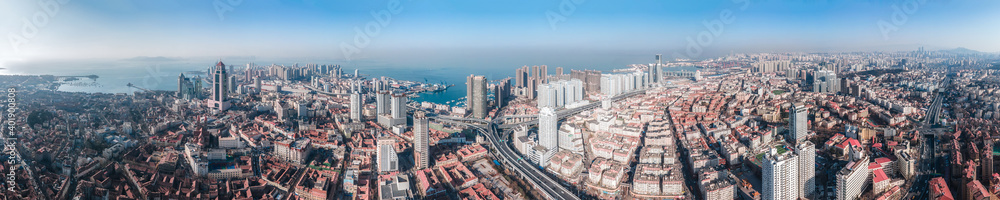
(532,33)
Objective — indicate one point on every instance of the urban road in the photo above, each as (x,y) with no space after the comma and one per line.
(550,188)
(928,167)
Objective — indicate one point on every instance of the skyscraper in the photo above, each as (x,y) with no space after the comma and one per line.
(382,104)
(825,81)
(257,84)
(399,106)
(355,106)
(421,152)
(476,96)
(807,165)
(797,119)
(187,89)
(779,176)
(386,154)
(220,88)
(181,81)
(548,128)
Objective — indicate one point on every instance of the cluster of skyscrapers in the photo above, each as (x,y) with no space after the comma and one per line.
(825,81)
(560,93)
(789,171)
(615,84)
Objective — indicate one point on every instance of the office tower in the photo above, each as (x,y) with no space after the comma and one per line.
(807,172)
(181,81)
(188,88)
(382,104)
(797,122)
(502,92)
(779,176)
(220,88)
(852,179)
(548,128)
(559,71)
(825,81)
(356,106)
(257,84)
(386,153)
(421,151)
(476,96)
(399,106)
(651,74)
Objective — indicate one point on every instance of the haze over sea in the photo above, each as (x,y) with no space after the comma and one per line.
(160,73)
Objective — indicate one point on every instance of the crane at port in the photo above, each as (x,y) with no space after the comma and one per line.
(137,87)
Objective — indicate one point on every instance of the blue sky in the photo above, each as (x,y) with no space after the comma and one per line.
(432,31)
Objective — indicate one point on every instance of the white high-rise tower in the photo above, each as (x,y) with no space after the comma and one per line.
(779,176)
(421,152)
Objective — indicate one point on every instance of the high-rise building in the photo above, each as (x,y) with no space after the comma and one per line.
(188,88)
(560,93)
(559,71)
(386,153)
(807,166)
(655,70)
(399,106)
(233,85)
(521,76)
(220,88)
(852,179)
(615,84)
(257,84)
(987,161)
(797,122)
(382,104)
(779,176)
(421,152)
(548,128)
(476,96)
(356,106)
(502,92)
(543,74)
(825,81)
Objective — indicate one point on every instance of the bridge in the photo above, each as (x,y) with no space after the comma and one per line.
(562,114)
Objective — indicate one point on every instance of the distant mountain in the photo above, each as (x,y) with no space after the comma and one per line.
(961,50)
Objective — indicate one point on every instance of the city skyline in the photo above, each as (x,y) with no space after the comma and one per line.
(490,100)
(456,30)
